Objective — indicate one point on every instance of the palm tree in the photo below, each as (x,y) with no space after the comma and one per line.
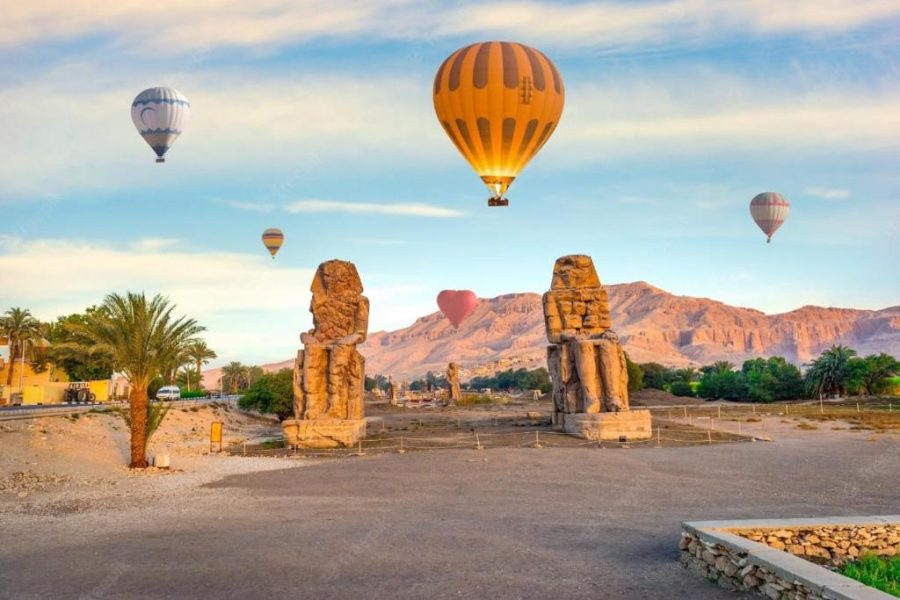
(828,374)
(142,336)
(20,328)
(236,374)
(722,366)
(200,354)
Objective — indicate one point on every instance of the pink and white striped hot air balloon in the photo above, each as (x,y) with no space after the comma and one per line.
(769,210)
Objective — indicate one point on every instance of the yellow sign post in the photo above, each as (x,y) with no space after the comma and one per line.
(215,435)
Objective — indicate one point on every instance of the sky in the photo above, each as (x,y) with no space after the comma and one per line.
(316,117)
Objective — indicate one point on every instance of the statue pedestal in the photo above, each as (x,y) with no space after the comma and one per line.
(608,426)
(323,433)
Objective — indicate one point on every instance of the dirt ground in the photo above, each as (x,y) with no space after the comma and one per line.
(507,521)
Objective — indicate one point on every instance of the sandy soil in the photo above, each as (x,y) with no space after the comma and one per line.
(58,465)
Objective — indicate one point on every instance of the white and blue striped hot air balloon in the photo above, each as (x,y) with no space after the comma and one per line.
(160,115)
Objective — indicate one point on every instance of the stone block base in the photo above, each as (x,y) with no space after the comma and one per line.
(323,433)
(608,426)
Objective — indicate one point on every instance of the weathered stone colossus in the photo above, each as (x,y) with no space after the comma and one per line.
(453,384)
(329,372)
(585,359)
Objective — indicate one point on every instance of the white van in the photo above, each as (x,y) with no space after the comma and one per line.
(168,392)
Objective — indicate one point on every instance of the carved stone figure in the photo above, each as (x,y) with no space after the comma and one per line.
(329,372)
(585,360)
(393,391)
(453,384)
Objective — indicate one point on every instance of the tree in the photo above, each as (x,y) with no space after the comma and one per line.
(273,393)
(720,381)
(681,387)
(880,368)
(828,375)
(656,376)
(772,380)
(200,354)
(635,375)
(236,376)
(20,329)
(74,352)
(141,336)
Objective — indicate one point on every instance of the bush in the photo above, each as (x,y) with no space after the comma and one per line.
(193,394)
(681,388)
(635,375)
(656,376)
(271,393)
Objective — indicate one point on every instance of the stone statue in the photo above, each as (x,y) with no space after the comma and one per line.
(585,360)
(329,372)
(453,384)
(393,392)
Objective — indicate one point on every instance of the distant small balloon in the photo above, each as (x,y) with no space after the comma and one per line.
(272,239)
(457,304)
(160,115)
(769,210)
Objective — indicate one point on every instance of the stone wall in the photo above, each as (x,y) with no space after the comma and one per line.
(733,570)
(788,559)
(829,545)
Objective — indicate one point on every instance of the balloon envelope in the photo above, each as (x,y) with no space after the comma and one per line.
(457,304)
(769,210)
(272,239)
(160,115)
(499,102)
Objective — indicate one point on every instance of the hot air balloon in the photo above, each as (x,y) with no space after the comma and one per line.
(272,239)
(499,102)
(457,304)
(160,115)
(769,210)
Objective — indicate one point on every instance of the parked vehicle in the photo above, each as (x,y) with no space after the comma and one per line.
(168,392)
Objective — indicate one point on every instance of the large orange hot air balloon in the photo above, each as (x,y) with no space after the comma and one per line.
(499,102)
(272,239)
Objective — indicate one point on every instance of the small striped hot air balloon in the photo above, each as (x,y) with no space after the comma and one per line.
(499,102)
(272,239)
(769,210)
(160,115)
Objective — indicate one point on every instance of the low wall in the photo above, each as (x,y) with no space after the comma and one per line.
(725,552)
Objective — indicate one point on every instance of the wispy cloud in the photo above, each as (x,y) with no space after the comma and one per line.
(412,209)
(173,27)
(828,193)
(153,244)
(262,207)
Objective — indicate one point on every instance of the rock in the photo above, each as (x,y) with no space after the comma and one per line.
(708,557)
(453,384)
(750,581)
(329,371)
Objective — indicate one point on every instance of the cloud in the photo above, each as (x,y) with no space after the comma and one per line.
(828,193)
(411,209)
(253,308)
(261,207)
(656,114)
(177,27)
(376,242)
(154,244)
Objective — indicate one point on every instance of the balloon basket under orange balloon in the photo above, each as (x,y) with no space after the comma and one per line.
(160,160)
(498,202)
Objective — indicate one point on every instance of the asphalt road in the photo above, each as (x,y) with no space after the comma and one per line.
(505,523)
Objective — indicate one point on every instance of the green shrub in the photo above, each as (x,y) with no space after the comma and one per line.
(193,394)
(681,388)
(272,393)
(877,572)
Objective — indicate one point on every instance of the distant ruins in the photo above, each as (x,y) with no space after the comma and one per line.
(454,394)
(585,359)
(329,372)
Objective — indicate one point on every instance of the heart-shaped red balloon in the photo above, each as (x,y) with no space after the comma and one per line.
(457,304)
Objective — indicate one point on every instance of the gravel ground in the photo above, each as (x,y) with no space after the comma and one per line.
(503,523)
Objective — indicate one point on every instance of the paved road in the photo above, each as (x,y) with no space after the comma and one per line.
(505,523)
